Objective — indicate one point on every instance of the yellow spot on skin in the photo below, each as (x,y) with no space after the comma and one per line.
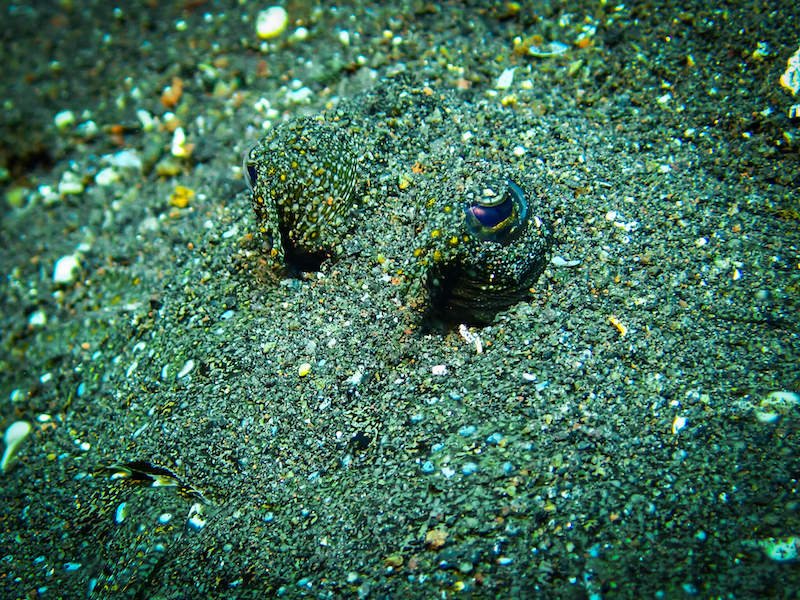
(437,255)
(453,241)
(436,233)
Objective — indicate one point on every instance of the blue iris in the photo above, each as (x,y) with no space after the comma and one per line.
(500,222)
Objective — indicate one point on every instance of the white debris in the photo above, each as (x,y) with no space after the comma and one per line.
(505,80)
(187,368)
(678,423)
(16,433)
(558,261)
(106,177)
(179,147)
(124,159)
(791,77)
(64,119)
(66,269)
(471,338)
(272,22)
(439,370)
(70,184)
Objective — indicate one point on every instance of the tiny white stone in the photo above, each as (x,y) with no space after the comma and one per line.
(106,177)
(781,549)
(270,23)
(37,318)
(678,423)
(64,119)
(16,433)
(124,159)
(344,38)
(66,269)
(300,34)
(121,513)
(188,367)
(300,95)
(70,184)
(519,151)
(505,80)
(558,261)
(146,119)
(439,370)
(179,148)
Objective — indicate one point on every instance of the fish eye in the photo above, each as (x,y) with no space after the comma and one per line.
(249,170)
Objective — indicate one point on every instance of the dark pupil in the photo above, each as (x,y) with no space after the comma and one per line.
(489,216)
(251,175)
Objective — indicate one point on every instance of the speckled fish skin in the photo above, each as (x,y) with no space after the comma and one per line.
(465,253)
(303,177)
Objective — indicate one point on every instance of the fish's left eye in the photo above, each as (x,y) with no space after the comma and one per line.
(249,170)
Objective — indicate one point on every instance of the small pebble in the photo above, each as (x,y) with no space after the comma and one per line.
(37,318)
(64,120)
(70,184)
(427,467)
(505,80)
(270,23)
(121,513)
(469,468)
(66,269)
(16,433)
(467,430)
(304,369)
(495,438)
(188,367)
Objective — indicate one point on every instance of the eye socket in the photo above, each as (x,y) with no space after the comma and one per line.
(498,217)
(249,170)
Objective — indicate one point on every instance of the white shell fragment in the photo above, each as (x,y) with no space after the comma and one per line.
(505,80)
(196,520)
(270,23)
(64,119)
(791,77)
(66,269)
(187,368)
(780,549)
(776,405)
(16,433)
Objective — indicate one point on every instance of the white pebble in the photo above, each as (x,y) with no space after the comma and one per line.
(781,549)
(121,513)
(64,119)
(299,96)
(344,38)
(506,79)
(270,23)
(124,159)
(179,148)
(300,34)
(70,184)
(16,433)
(188,367)
(37,318)
(106,177)
(439,370)
(66,269)
(678,423)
